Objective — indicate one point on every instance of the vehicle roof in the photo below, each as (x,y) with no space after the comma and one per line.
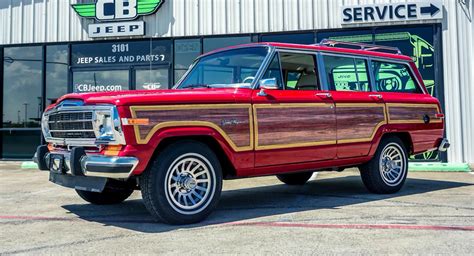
(317,47)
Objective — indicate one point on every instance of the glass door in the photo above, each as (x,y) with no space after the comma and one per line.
(152,78)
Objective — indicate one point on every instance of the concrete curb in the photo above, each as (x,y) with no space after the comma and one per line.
(438,167)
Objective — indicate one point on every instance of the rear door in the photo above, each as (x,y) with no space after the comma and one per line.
(294,123)
(359,111)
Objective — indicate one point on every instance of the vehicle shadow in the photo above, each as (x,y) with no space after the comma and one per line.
(249,203)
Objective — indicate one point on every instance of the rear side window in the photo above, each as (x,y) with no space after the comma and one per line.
(346,73)
(394,77)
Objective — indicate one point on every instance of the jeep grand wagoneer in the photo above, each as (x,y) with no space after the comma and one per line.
(260,109)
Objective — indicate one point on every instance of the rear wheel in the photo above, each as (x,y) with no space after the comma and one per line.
(295,178)
(108,196)
(387,171)
(184,183)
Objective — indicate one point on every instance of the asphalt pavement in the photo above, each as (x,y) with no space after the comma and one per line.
(332,214)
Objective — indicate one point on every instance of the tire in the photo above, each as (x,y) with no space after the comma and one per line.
(108,196)
(183,184)
(386,172)
(295,179)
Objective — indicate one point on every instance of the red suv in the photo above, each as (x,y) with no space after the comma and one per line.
(259,109)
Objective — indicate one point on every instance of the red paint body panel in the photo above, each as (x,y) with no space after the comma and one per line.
(336,146)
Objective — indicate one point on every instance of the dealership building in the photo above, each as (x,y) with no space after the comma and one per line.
(53,47)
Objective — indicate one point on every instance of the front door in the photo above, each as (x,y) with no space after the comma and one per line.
(295,122)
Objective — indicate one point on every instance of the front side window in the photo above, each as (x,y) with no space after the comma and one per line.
(346,73)
(394,77)
(233,69)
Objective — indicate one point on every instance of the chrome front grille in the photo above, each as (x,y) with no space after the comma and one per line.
(71,125)
(74,124)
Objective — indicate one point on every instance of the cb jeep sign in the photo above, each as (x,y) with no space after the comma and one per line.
(115,17)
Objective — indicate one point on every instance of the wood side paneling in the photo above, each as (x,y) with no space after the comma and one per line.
(358,123)
(294,126)
(233,122)
(399,113)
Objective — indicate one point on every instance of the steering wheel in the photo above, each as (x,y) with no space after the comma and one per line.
(251,78)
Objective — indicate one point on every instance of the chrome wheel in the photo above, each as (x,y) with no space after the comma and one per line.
(190,183)
(392,164)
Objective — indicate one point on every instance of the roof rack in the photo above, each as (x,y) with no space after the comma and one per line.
(360,46)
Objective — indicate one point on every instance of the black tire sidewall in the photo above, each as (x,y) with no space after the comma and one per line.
(370,172)
(157,187)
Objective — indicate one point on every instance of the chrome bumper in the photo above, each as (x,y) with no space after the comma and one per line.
(115,167)
(444,145)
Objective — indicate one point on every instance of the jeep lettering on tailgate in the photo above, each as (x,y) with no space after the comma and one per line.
(260,109)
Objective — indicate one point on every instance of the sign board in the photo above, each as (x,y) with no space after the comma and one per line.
(137,52)
(111,14)
(404,11)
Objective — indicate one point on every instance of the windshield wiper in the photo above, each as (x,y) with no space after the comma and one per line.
(196,86)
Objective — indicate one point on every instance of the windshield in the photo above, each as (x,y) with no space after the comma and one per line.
(233,69)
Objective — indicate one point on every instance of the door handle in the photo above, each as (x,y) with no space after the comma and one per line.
(325,95)
(376,96)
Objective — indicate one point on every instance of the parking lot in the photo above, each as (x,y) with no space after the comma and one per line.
(333,213)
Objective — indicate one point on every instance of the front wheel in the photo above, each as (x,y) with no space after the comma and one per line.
(184,183)
(386,172)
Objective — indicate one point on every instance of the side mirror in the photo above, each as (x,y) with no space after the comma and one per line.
(268,84)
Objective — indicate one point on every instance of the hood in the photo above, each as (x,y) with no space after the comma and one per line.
(148,97)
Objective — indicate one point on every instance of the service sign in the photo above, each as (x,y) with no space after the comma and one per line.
(404,11)
(114,18)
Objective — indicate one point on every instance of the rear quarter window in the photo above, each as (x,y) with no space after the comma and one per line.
(394,77)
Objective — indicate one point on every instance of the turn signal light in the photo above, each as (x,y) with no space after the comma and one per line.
(50,147)
(135,121)
(112,150)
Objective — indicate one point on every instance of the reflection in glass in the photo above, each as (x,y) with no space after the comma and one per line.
(185,51)
(293,38)
(20,143)
(152,79)
(210,44)
(56,72)
(100,81)
(225,69)
(22,87)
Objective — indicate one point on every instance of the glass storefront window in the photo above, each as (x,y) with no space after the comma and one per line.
(293,38)
(151,79)
(20,144)
(213,43)
(355,36)
(22,87)
(416,43)
(185,51)
(101,81)
(56,72)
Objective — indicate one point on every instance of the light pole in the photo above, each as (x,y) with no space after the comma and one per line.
(26,113)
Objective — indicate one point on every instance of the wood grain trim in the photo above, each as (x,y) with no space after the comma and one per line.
(411,105)
(377,126)
(161,125)
(287,145)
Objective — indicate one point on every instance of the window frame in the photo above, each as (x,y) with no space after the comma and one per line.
(277,51)
(368,62)
(395,61)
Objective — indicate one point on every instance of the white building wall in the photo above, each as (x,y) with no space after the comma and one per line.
(35,21)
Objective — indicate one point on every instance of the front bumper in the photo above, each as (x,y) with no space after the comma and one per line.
(77,163)
(444,145)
